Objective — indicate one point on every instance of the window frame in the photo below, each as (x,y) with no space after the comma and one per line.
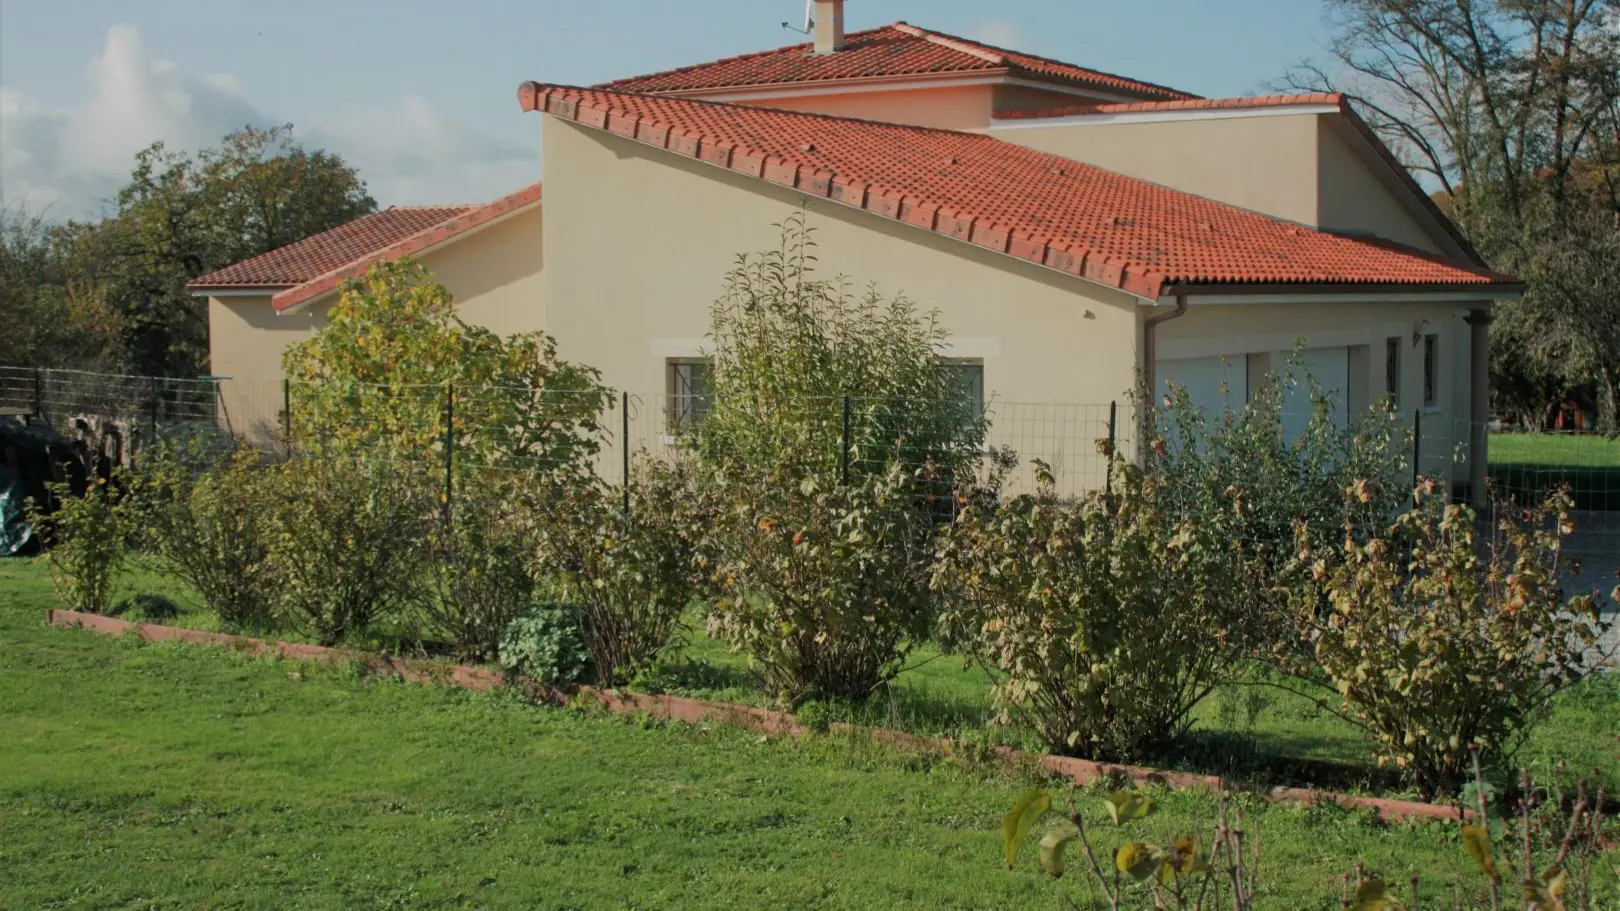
(976,366)
(685,410)
(1431,370)
(1392,371)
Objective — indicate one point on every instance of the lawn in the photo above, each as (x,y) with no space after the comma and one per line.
(1529,463)
(147,776)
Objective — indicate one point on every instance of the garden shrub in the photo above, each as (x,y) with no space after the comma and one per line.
(481,560)
(86,539)
(347,539)
(1103,621)
(789,347)
(1243,467)
(209,526)
(823,586)
(633,572)
(394,360)
(545,644)
(1439,643)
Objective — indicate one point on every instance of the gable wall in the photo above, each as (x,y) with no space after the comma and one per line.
(1354,197)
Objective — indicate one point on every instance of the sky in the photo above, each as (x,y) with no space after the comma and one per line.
(421,96)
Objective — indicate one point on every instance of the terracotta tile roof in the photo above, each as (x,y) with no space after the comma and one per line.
(1318,99)
(1190,104)
(312,256)
(893,50)
(1059,213)
(429,237)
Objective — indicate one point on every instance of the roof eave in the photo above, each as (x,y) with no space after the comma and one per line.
(1506,289)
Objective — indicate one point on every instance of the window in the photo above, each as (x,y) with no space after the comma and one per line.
(687,386)
(1392,371)
(1431,370)
(968,378)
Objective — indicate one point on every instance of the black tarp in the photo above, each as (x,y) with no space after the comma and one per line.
(32,455)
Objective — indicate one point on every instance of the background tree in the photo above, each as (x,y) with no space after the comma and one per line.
(182,216)
(52,318)
(1511,109)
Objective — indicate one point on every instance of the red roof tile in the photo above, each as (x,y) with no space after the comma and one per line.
(1069,216)
(432,236)
(312,256)
(893,50)
(1189,104)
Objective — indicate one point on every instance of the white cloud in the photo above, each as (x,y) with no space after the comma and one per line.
(72,160)
(998,32)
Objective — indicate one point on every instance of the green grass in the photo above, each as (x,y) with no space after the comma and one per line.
(158,776)
(1526,464)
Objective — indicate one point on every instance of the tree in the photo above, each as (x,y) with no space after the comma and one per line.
(1510,107)
(182,216)
(382,373)
(52,318)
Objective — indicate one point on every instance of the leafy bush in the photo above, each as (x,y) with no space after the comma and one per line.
(545,644)
(1245,468)
(825,587)
(86,538)
(481,561)
(1104,621)
(383,369)
(632,573)
(1437,650)
(347,538)
(209,526)
(789,347)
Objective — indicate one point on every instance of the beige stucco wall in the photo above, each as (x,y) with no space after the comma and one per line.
(1354,197)
(246,338)
(631,274)
(494,275)
(949,108)
(1216,330)
(1268,164)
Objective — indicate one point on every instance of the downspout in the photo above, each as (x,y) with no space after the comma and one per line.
(1150,367)
(1150,343)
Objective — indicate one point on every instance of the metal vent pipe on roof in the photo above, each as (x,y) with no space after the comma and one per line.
(829,26)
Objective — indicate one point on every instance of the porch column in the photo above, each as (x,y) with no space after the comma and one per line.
(1479,403)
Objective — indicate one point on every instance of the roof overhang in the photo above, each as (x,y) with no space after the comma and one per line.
(1247,295)
(238,291)
(1163,116)
(420,244)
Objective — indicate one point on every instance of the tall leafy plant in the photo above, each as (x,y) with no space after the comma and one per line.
(1440,644)
(395,366)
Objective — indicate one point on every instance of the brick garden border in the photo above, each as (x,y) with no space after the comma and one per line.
(696,711)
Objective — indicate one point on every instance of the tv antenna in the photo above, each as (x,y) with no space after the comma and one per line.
(809,19)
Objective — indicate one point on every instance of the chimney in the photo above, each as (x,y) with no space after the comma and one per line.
(829,26)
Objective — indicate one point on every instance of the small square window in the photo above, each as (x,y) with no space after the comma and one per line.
(687,386)
(1392,371)
(967,377)
(1431,370)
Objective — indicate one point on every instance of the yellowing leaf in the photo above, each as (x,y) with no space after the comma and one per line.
(1138,860)
(1476,840)
(1373,895)
(1052,851)
(1023,816)
(1124,806)
(1183,862)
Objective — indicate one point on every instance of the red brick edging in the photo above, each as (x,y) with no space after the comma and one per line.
(694,711)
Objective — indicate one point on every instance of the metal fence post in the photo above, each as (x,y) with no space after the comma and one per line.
(39,393)
(286,412)
(843,451)
(449,449)
(624,448)
(1113,442)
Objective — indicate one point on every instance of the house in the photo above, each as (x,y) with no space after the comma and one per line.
(487,255)
(1076,229)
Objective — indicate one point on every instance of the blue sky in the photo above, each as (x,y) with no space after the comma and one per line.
(421,95)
